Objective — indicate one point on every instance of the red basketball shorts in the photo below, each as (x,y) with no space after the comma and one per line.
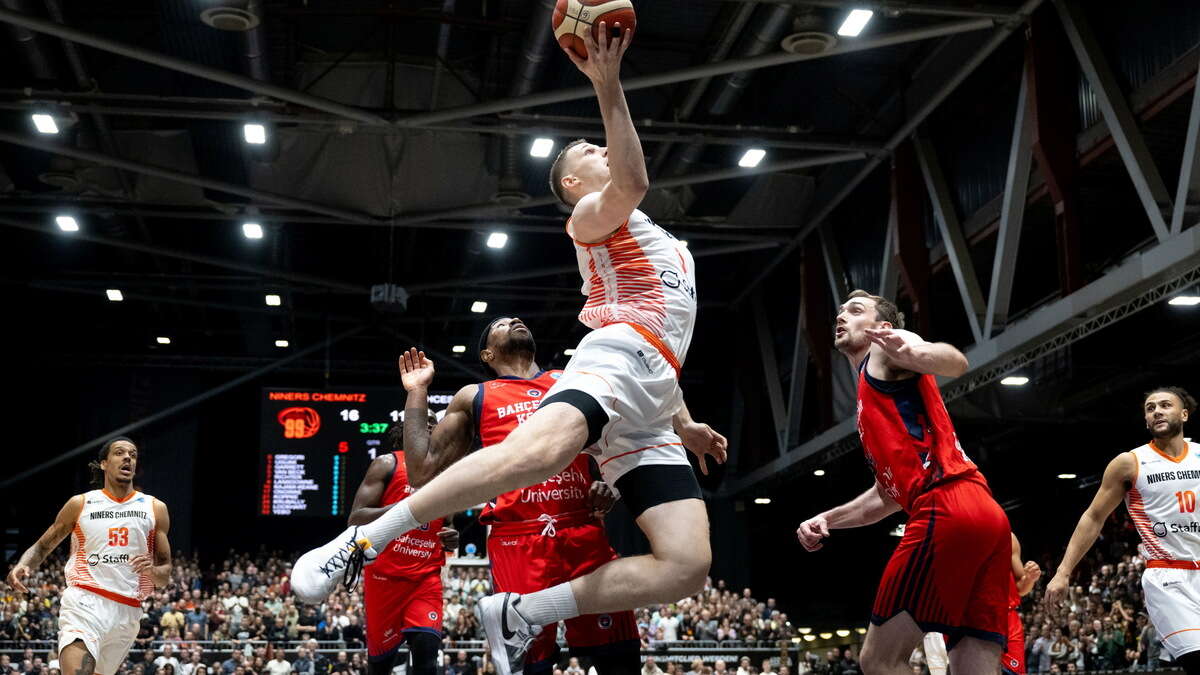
(525,560)
(1013,661)
(951,571)
(396,605)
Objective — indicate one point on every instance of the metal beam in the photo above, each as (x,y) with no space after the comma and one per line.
(835,271)
(90,446)
(1151,189)
(1139,281)
(799,379)
(1012,212)
(889,271)
(36,24)
(951,230)
(900,8)
(693,73)
(915,119)
(181,254)
(1190,160)
(766,352)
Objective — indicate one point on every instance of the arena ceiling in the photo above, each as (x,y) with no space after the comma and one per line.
(398,140)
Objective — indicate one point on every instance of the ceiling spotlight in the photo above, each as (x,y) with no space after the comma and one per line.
(762,500)
(568,352)
(1015,381)
(826,636)
(252,230)
(281,343)
(67,223)
(805,630)
(855,22)
(1067,476)
(860,630)
(458,349)
(255,134)
(819,472)
(45,124)
(497,240)
(274,300)
(541,147)
(114,294)
(163,340)
(843,632)
(810,637)
(752,157)
(479,307)
(1184,300)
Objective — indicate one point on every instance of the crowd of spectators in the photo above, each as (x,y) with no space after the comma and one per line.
(715,614)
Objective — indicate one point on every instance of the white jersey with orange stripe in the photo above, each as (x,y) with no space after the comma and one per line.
(1162,504)
(644,276)
(109,533)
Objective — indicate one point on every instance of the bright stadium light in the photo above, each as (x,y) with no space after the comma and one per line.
(281,343)
(252,230)
(67,223)
(568,352)
(479,307)
(497,240)
(826,636)
(114,294)
(458,349)
(1015,381)
(1184,300)
(762,500)
(843,632)
(855,22)
(274,300)
(819,472)
(752,157)
(805,630)
(541,147)
(45,124)
(1067,476)
(810,637)
(255,134)
(163,340)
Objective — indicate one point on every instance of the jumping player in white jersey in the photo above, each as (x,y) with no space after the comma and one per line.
(618,397)
(1159,482)
(119,555)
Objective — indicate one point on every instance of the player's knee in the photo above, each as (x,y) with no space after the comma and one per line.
(873,660)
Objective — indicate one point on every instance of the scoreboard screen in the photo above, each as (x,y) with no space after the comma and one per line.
(316,445)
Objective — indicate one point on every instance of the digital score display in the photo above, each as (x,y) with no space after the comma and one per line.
(315,445)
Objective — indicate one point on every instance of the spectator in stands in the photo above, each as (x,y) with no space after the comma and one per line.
(573,667)
(650,667)
(462,665)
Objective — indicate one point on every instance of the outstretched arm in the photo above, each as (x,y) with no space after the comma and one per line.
(899,350)
(426,454)
(158,564)
(868,508)
(50,539)
(700,439)
(1119,475)
(598,214)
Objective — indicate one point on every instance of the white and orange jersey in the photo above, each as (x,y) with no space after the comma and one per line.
(108,534)
(642,276)
(1162,504)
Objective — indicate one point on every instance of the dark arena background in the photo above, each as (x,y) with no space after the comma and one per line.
(1020,177)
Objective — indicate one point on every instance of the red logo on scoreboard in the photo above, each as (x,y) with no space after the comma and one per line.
(299,422)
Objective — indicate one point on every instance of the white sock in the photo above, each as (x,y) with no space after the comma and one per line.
(552,605)
(398,520)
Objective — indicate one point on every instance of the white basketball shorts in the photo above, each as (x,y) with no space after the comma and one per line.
(106,628)
(1173,603)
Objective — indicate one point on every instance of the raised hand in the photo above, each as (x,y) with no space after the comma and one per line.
(603,62)
(416,371)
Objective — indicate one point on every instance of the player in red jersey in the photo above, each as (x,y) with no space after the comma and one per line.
(951,572)
(402,588)
(1025,575)
(541,535)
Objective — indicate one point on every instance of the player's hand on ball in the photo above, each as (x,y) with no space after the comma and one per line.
(601,497)
(603,62)
(702,441)
(416,371)
(142,564)
(811,532)
(449,537)
(1056,590)
(15,577)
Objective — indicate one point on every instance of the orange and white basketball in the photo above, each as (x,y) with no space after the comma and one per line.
(573,17)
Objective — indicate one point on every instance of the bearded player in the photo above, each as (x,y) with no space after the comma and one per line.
(119,555)
(402,591)
(951,572)
(1158,482)
(619,397)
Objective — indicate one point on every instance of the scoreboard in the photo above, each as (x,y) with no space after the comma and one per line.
(316,444)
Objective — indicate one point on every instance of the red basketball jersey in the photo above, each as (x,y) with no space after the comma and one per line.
(908,437)
(415,553)
(500,406)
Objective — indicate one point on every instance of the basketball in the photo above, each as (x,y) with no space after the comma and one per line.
(573,17)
